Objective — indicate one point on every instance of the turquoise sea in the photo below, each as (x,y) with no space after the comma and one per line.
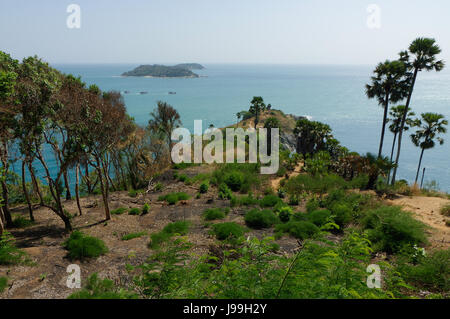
(331,94)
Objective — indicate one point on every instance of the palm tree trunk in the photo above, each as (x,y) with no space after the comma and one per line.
(383,128)
(25,192)
(402,125)
(77,189)
(392,156)
(418,168)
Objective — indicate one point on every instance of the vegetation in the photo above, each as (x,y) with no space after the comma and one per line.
(9,253)
(3,284)
(101,289)
(179,228)
(229,230)
(161,71)
(134,235)
(215,213)
(259,219)
(174,198)
(81,246)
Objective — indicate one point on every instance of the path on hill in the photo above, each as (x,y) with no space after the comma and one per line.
(428,211)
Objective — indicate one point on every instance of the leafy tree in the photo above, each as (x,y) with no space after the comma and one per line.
(430,126)
(389,84)
(257,106)
(164,120)
(312,136)
(424,52)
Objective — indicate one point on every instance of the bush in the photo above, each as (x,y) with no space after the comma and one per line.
(284,214)
(315,184)
(81,246)
(9,253)
(134,211)
(312,205)
(238,176)
(179,228)
(101,289)
(22,222)
(230,230)
(234,180)
(214,213)
(248,200)
(132,193)
(446,210)
(430,271)
(119,211)
(173,198)
(133,235)
(3,283)
(259,219)
(225,192)
(391,229)
(204,188)
(319,217)
(145,209)
(269,201)
(298,229)
(342,213)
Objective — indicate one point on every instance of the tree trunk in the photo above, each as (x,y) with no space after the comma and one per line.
(5,206)
(402,126)
(35,183)
(383,128)
(392,156)
(418,167)
(77,190)
(25,192)
(67,185)
(103,189)
(2,227)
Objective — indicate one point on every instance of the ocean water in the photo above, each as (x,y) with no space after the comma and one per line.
(331,94)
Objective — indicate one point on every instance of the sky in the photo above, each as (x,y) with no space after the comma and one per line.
(226,31)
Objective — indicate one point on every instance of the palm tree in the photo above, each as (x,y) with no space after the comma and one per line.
(430,126)
(424,51)
(395,119)
(257,106)
(389,84)
(269,124)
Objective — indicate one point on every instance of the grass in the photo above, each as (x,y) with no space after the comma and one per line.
(81,246)
(22,222)
(134,211)
(119,211)
(173,198)
(178,228)
(9,253)
(134,235)
(446,210)
(231,230)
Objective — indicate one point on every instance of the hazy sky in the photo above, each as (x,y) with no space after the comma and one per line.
(226,31)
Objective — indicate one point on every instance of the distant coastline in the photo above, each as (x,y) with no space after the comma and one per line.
(163,71)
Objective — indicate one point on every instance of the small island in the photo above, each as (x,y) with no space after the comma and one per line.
(163,71)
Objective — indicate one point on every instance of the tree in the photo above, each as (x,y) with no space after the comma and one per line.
(389,84)
(312,136)
(269,124)
(424,51)
(430,126)
(257,106)
(164,120)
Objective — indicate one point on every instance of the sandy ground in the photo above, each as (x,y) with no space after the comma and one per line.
(427,210)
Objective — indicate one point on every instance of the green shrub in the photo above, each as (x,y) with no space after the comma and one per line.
(430,271)
(173,198)
(22,222)
(145,209)
(234,180)
(446,210)
(238,176)
(319,217)
(293,200)
(391,229)
(204,188)
(285,213)
(298,229)
(9,253)
(182,178)
(248,200)
(214,213)
(315,184)
(3,284)
(225,192)
(269,201)
(133,235)
(342,213)
(179,228)
(259,219)
(312,205)
(132,193)
(82,246)
(229,230)
(159,187)
(102,289)
(134,211)
(119,211)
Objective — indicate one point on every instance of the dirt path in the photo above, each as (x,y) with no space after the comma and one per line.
(276,182)
(427,210)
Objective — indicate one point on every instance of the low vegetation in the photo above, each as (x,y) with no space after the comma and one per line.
(81,246)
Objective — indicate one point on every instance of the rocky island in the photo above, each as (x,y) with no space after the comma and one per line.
(163,71)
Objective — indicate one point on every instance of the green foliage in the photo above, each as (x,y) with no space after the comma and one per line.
(204,188)
(259,219)
(431,271)
(285,213)
(312,205)
(269,201)
(134,211)
(234,180)
(82,246)
(247,200)
(225,192)
(391,229)
(319,217)
(132,193)
(318,164)
(315,184)
(159,187)
(134,235)
(214,213)
(102,289)
(446,210)
(178,228)
(22,222)
(9,253)
(229,230)
(145,209)
(119,211)
(3,284)
(173,198)
(298,229)
(238,177)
